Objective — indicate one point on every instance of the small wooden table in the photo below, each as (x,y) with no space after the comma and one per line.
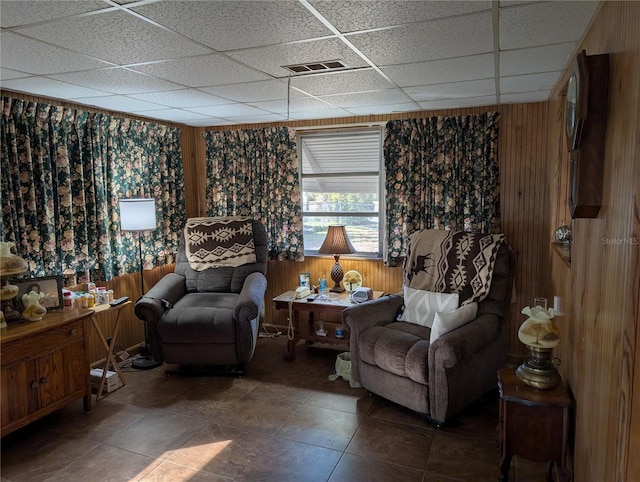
(101,308)
(334,303)
(533,424)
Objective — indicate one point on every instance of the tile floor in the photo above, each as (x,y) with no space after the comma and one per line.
(282,421)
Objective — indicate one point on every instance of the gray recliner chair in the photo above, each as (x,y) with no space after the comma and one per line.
(209,317)
(396,359)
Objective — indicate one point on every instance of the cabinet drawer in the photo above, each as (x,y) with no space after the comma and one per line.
(42,342)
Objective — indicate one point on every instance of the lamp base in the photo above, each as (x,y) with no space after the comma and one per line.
(145,363)
(336,275)
(539,371)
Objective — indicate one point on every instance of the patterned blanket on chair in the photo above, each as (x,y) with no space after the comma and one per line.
(220,241)
(452,262)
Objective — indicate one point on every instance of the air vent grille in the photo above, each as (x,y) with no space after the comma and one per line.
(313,67)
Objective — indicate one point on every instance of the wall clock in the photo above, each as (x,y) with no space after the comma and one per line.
(585,126)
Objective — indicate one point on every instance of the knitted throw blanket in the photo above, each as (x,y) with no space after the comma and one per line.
(452,262)
(219,241)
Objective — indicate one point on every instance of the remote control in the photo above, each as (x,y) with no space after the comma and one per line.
(119,301)
(311,297)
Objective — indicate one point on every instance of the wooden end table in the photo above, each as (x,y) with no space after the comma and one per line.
(335,303)
(110,359)
(533,424)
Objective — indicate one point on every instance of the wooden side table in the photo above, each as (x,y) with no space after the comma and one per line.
(110,359)
(534,424)
(340,303)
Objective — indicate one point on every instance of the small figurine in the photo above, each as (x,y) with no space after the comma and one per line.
(33,311)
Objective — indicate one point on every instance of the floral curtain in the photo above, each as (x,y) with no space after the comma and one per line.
(63,173)
(441,173)
(254,172)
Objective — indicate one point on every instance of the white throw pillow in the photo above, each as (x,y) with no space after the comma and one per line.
(420,306)
(446,322)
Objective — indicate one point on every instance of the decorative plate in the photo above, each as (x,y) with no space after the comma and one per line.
(352,280)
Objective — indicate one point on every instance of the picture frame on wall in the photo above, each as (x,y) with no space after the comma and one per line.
(51,286)
(304,279)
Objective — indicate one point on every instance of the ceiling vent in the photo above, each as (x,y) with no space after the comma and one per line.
(316,67)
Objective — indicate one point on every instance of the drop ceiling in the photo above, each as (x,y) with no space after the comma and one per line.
(206,63)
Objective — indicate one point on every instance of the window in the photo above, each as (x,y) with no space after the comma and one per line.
(341,184)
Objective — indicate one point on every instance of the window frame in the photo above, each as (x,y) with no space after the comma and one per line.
(380,173)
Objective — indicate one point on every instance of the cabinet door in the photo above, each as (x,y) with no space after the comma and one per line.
(20,391)
(61,373)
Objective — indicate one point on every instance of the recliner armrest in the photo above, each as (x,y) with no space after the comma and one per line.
(464,341)
(381,311)
(250,298)
(164,294)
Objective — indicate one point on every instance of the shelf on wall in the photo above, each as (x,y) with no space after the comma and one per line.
(564,251)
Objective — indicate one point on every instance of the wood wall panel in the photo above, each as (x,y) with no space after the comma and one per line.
(600,331)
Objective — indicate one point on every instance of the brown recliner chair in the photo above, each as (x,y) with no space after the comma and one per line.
(395,359)
(207,317)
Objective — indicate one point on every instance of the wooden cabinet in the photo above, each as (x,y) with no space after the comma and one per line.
(533,424)
(44,367)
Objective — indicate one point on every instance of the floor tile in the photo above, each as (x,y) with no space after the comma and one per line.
(220,450)
(320,426)
(292,461)
(170,472)
(106,463)
(394,443)
(41,454)
(354,468)
(157,434)
(463,458)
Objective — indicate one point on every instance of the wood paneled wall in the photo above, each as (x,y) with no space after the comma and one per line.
(600,329)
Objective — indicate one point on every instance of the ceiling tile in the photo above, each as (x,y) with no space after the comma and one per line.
(544,23)
(454,90)
(428,40)
(350,16)
(231,25)
(295,105)
(270,59)
(206,122)
(8,74)
(441,71)
(341,82)
(115,37)
(117,81)
(229,110)
(28,55)
(181,98)
(320,114)
(255,119)
(22,12)
(529,83)
(488,100)
(204,71)
(174,115)
(254,91)
(120,103)
(525,97)
(384,109)
(538,59)
(50,88)
(362,99)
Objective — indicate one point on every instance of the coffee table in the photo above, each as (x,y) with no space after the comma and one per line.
(333,303)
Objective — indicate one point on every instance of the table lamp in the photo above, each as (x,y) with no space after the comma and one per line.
(336,243)
(10,265)
(540,335)
(137,215)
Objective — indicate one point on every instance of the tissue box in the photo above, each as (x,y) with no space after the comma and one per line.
(111,383)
